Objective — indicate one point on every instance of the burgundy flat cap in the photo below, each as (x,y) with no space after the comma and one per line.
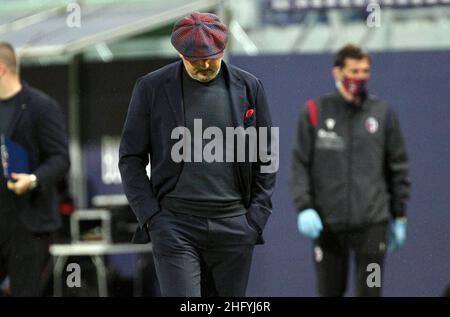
(200,36)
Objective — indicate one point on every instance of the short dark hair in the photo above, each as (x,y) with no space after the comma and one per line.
(8,56)
(350,51)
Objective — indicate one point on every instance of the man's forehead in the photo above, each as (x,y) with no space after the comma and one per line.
(353,62)
(211,60)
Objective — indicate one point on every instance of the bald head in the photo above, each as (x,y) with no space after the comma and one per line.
(8,57)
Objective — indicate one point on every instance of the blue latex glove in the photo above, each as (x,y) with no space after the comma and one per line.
(397,233)
(309,223)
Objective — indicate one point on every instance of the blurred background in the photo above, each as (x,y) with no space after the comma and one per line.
(88,54)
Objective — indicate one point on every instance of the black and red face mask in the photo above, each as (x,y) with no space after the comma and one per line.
(356,87)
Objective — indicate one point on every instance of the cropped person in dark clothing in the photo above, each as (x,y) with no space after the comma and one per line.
(349,178)
(28,201)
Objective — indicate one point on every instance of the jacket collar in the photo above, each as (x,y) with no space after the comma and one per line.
(363,106)
(21,107)
(174,93)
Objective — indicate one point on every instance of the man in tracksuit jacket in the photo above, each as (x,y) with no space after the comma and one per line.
(349,178)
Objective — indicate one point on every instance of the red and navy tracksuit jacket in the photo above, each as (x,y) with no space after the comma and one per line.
(349,162)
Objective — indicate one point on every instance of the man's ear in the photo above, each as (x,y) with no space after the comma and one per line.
(337,73)
(3,69)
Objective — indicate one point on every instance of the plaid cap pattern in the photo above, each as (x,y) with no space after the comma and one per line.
(200,36)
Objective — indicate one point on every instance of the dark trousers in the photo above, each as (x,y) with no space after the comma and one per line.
(332,251)
(196,256)
(23,256)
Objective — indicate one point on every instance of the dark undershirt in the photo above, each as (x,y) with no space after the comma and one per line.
(206,189)
(7,108)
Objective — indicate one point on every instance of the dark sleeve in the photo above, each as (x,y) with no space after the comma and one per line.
(134,154)
(265,169)
(52,144)
(301,157)
(396,166)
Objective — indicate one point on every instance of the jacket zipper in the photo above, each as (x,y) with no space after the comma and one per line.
(349,173)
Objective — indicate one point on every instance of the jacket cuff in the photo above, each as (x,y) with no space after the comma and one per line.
(303,207)
(398,209)
(259,215)
(145,210)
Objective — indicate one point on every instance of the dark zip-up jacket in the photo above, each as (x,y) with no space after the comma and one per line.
(352,165)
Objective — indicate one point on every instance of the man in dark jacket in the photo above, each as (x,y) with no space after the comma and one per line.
(31,120)
(349,178)
(203,212)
